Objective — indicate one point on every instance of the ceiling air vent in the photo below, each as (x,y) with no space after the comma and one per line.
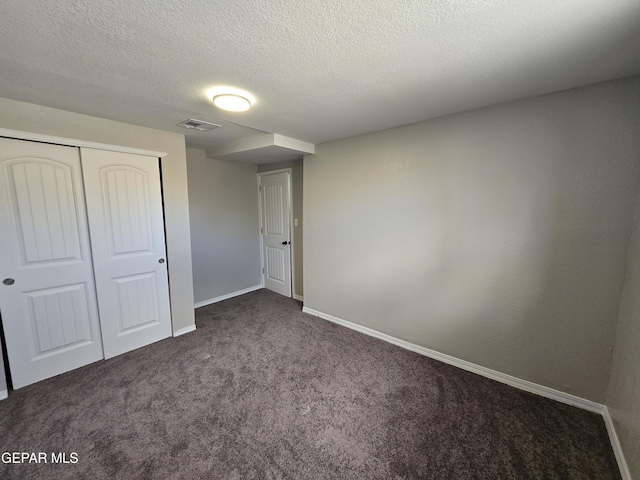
(198,125)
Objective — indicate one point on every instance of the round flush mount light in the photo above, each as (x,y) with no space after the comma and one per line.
(231,99)
(232,102)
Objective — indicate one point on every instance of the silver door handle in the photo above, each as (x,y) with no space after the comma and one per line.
(161,260)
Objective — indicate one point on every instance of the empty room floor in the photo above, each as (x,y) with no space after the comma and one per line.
(263,391)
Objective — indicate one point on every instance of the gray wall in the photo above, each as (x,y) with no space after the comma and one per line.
(297,195)
(49,121)
(623,397)
(225,238)
(498,236)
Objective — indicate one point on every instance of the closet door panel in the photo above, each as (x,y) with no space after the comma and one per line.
(124,202)
(47,295)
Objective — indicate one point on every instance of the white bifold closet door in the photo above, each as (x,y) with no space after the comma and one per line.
(124,204)
(47,296)
(74,292)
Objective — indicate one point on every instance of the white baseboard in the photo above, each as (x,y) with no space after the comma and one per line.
(227,296)
(498,376)
(300,298)
(615,444)
(182,331)
(4,394)
(471,367)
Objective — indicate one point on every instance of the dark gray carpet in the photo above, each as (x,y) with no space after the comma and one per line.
(263,391)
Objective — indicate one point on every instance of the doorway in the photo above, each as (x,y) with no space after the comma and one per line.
(276,226)
(65,302)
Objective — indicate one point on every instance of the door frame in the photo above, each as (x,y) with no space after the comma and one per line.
(71,142)
(289,172)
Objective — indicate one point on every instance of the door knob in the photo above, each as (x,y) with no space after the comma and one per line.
(161,260)
(286,243)
(8,281)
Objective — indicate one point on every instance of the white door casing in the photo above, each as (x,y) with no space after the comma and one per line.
(276,231)
(124,205)
(47,297)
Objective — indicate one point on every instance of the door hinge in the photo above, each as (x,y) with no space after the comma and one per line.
(263,271)
(261,230)
(260,188)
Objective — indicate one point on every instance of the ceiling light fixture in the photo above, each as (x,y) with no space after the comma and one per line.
(231,99)
(232,102)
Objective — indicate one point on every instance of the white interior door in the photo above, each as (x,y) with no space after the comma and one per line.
(276,232)
(47,295)
(124,205)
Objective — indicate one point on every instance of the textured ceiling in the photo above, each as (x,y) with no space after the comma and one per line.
(320,70)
